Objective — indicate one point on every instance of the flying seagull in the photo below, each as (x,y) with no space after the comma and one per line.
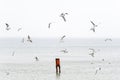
(64,51)
(94,26)
(49,25)
(62,37)
(36,58)
(63,16)
(108,39)
(19,29)
(29,39)
(7,26)
(92,52)
(97,70)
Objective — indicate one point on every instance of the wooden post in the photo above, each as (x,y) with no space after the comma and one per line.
(58,70)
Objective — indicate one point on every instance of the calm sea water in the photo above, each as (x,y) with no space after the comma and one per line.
(77,64)
(78,49)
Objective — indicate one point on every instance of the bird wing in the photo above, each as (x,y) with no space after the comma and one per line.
(31,41)
(92,23)
(28,37)
(64,18)
(19,29)
(93,29)
(62,14)
(108,39)
(63,37)
(49,25)
(66,13)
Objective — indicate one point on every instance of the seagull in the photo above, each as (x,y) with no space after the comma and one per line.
(108,39)
(94,26)
(29,39)
(97,70)
(63,16)
(49,25)
(19,29)
(36,58)
(64,51)
(93,52)
(7,26)
(62,37)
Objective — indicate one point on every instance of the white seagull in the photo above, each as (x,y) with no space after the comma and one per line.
(19,29)
(7,26)
(94,26)
(92,52)
(108,39)
(64,51)
(63,16)
(98,69)
(49,25)
(29,39)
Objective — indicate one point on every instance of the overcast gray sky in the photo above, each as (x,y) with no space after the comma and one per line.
(33,17)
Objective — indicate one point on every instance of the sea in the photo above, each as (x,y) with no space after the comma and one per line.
(17,59)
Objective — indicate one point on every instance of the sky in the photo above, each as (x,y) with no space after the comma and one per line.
(33,16)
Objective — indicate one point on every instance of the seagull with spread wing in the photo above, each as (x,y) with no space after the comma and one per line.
(63,16)
(108,39)
(94,26)
(64,51)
